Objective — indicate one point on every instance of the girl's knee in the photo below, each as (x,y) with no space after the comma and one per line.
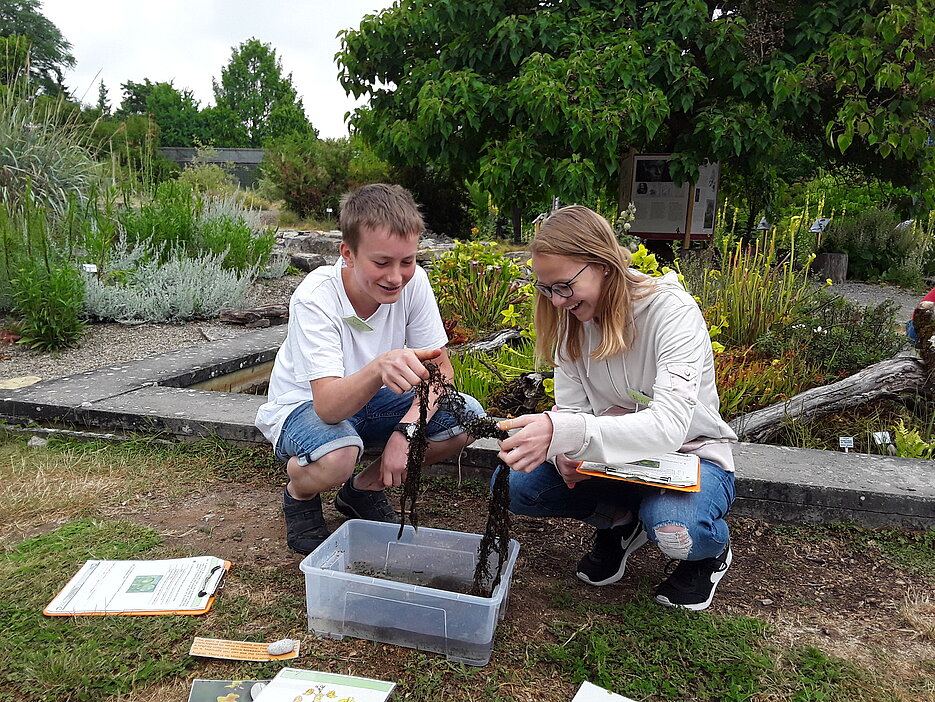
(673,540)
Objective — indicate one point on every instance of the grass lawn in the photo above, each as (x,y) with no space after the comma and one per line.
(825,613)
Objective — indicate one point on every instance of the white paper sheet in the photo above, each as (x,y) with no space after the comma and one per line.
(119,587)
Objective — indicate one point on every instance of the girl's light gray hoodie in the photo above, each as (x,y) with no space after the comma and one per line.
(657,396)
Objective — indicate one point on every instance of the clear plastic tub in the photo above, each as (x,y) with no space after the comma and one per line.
(417,601)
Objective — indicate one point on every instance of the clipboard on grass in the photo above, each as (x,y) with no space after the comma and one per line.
(672,471)
(141,588)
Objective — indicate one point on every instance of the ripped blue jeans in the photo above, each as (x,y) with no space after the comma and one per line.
(543,493)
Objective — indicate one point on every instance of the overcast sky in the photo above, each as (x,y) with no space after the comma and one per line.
(188,42)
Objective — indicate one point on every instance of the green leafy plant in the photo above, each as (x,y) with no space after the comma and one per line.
(308,173)
(910,444)
(878,246)
(475,284)
(836,337)
(205,175)
(48,298)
(176,218)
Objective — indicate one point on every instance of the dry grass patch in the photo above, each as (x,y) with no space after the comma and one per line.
(48,485)
(918,611)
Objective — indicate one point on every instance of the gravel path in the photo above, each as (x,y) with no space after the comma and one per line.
(106,344)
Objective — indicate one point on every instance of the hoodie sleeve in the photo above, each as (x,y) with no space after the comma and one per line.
(680,344)
(573,403)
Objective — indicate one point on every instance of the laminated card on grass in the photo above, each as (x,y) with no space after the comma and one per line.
(297,685)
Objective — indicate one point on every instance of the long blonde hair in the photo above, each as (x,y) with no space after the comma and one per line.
(580,233)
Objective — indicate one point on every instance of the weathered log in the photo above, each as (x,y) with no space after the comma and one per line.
(889,378)
(490,343)
(271,314)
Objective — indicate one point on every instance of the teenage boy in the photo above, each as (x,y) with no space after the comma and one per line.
(359,334)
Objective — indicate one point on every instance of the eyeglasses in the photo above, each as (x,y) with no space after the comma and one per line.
(562,289)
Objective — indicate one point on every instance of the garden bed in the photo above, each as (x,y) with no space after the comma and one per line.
(861,599)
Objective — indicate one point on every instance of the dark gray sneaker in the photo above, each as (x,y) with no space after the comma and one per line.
(364,504)
(691,585)
(305,523)
(607,561)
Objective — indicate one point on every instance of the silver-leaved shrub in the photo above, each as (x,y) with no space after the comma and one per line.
(140,287)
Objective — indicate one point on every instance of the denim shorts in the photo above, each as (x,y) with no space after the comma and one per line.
(305,435)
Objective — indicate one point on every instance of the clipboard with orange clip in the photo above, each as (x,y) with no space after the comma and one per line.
(141,588)
(672,471)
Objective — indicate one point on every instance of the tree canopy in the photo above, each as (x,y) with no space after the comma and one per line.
(542,98)
(49,52)
(175,111)
(254,90)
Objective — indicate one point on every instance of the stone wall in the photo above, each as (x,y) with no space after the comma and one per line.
(246,162)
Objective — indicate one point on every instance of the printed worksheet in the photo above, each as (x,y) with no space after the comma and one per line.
(175,585)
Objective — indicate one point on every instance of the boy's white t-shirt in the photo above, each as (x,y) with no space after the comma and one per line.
(326,338)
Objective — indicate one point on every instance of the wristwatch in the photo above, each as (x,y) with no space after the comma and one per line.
(408,429)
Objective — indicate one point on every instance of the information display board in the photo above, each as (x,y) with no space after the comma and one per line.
(665,210)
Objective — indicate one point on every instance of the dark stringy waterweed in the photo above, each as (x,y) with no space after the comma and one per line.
(496,537)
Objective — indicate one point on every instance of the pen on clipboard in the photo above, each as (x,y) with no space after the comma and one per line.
(205,590)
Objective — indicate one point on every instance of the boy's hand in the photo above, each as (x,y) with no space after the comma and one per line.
(401,369)
(527,448)
(394,460)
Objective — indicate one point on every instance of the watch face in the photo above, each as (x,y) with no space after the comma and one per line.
(411,431)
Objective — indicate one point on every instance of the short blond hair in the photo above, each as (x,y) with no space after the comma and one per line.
(379,205)
(582,234)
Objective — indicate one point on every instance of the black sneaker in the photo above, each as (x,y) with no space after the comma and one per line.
(305,524)
(608,558)
(364,504)
(691,585)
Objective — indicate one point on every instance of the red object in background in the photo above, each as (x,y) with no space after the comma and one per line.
(7,337)
(456,334)
(930,297)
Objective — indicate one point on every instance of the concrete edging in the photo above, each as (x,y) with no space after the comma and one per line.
(152,395)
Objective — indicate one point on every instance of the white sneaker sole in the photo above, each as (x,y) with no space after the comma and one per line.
(715,579)
(636,540)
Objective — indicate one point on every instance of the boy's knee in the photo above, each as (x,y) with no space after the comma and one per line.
(336,466)
(340,463)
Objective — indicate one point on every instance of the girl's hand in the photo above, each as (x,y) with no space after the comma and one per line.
(568,469)
(527,448)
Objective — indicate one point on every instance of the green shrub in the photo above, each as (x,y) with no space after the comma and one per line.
(167,220)
(878,246)
(206,175)
(308,173)
(836,337)
(176,218)
(48,299)
(211,178)
(475,285)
